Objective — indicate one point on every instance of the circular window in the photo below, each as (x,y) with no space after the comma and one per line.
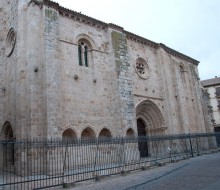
(142,68)
(10,42)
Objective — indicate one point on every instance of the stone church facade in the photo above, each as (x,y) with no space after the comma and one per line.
(64,74)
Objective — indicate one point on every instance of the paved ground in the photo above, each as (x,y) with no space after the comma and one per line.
(202,173)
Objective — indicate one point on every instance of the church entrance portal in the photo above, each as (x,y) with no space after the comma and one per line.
(150,122)
(142,144)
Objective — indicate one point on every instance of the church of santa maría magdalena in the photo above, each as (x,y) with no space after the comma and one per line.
(64,74)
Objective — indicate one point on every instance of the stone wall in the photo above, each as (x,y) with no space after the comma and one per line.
(89,94)
(44,90)
(47,91)
(125,84)
(8,15)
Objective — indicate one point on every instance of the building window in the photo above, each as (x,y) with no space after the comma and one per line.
(83,52)
(142,68)
(182,73)
(218,104)
(80,55)
(217,92)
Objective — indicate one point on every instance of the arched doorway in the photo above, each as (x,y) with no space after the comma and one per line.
(150,122)
(142,143)
(152,117)
(8,144)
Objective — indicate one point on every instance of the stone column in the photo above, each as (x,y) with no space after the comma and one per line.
(52,71)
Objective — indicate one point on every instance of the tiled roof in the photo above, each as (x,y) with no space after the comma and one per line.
(211,82)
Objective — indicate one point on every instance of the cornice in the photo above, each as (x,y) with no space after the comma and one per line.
(102,25)
(141,40)
(178,54)
(116,27)
(76,15)
(148,97)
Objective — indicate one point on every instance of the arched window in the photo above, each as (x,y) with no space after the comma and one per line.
(88,133)
(182,73)
(105,133)
(130,132)
(8,148)
(7,131)
(84,48)
(80,54)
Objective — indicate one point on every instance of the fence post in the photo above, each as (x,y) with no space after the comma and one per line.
(191,149)
(64,160)
(123,154)
(96,156)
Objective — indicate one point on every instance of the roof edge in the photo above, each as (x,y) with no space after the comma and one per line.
(132,36)
(178,54)
(208,85)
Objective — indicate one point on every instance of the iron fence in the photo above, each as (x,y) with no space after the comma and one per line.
(37,164)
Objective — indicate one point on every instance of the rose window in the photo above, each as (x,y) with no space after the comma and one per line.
(142,68)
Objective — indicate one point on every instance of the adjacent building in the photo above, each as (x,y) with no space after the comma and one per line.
(212,87)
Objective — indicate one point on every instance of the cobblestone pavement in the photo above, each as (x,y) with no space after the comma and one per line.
(201,173)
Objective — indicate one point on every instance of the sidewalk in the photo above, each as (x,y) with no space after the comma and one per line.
(201,172)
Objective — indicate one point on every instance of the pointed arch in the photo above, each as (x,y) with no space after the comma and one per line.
(8,146)
(88,133)
(7,131)
(69,134)
(105,133)
(130,132)
(151,116)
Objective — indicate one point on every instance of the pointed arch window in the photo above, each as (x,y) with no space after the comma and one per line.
(182,73)
(83,52)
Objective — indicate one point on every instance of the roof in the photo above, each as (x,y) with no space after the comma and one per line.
(94,22)
(211,82)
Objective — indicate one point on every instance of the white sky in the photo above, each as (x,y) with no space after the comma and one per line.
(191,27)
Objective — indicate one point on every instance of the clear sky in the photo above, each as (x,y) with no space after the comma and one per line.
(191,27)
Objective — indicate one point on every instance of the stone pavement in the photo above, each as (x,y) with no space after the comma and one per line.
(201,173)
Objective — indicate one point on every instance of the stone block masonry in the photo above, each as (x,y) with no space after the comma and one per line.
(125,88)
(45,91)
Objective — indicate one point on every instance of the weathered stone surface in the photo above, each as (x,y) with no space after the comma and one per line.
(41,96)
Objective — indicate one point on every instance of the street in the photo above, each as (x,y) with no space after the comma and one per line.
(201,173)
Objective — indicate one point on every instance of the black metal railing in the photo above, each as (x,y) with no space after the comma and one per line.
(37,164)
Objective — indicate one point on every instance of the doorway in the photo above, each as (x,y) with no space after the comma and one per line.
(142,142)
